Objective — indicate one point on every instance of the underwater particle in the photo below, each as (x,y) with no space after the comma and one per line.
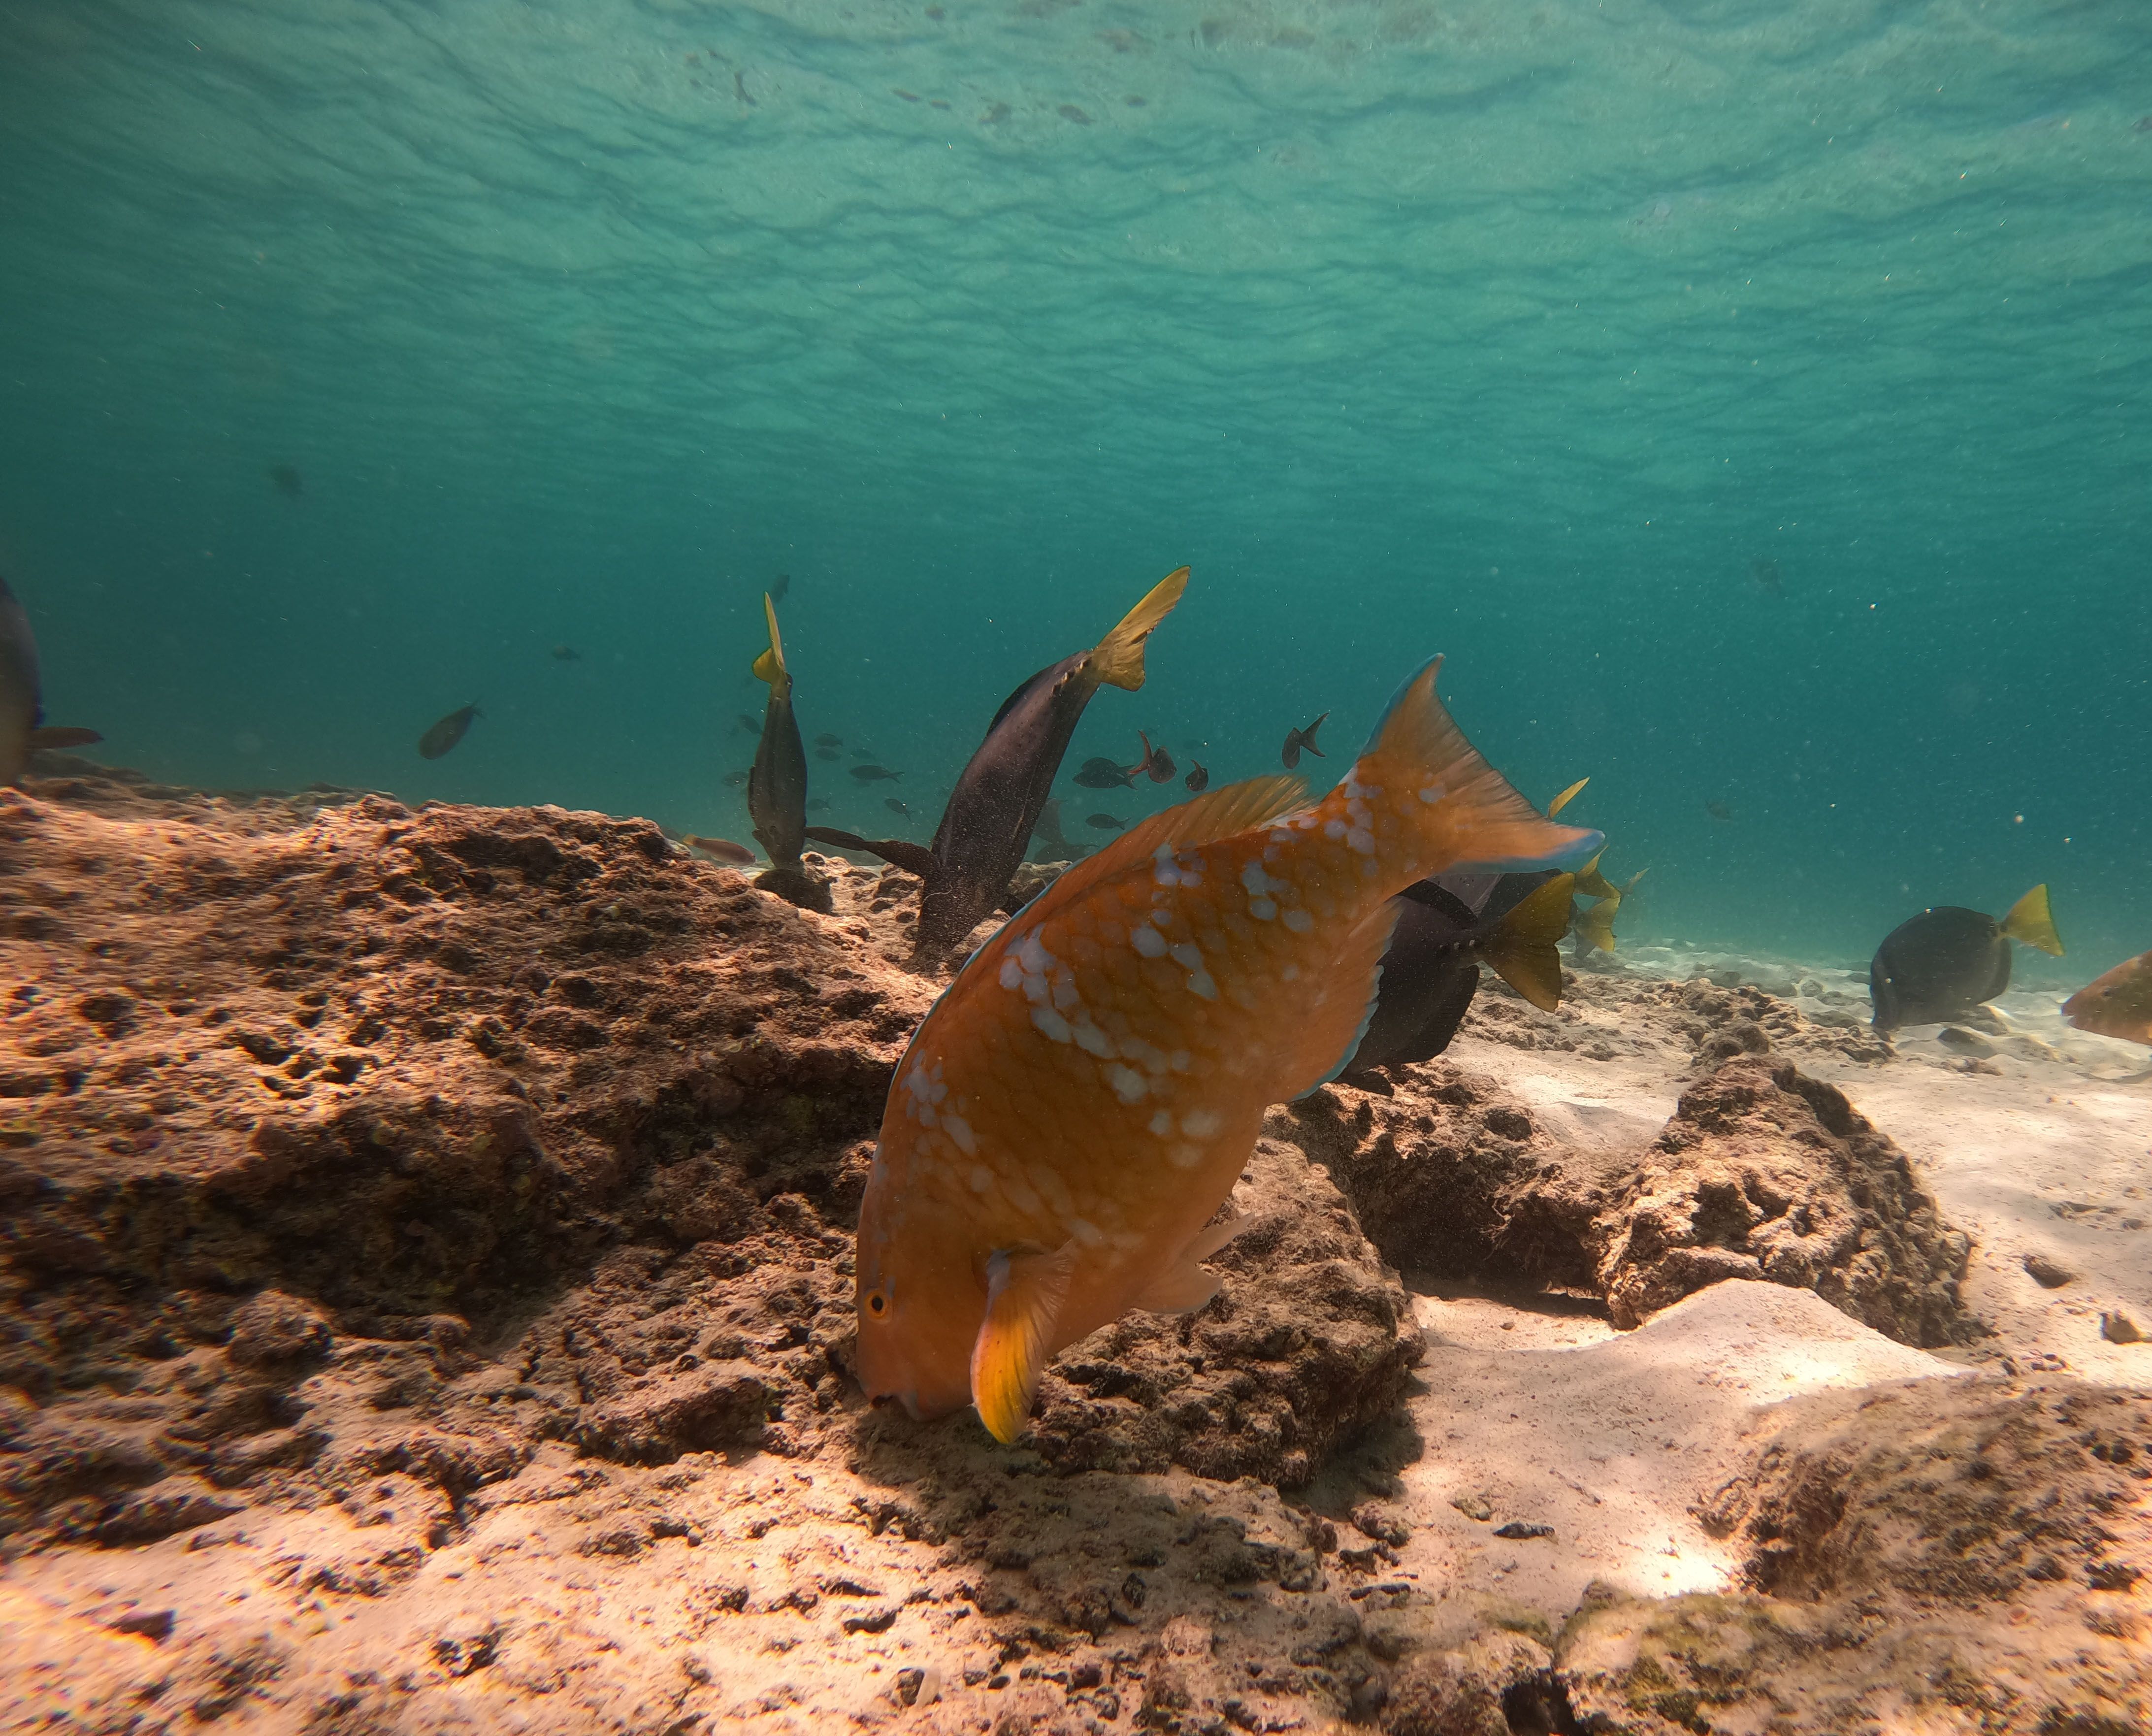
(1198,779)
(872,774)
(1947,961)
(1098,772)
(446,732)
(1720,812)
(567,654)
(2116,1004)
(288,480)
(1156,763)
(1297,741)
(1077,1104)
(734,780)
(724,848)
(1105,823)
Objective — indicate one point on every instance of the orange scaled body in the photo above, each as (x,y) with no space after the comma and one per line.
(1074,1111)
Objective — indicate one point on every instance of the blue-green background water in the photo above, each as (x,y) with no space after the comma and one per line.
(1517,332)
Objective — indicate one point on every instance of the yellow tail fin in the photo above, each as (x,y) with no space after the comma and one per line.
(2032,923)
(1118,659)
(1522,950)
(1592,883)
(1566,798)
(1595,923)
(769,666)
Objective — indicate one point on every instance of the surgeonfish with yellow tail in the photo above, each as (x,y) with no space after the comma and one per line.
(1948,961)
(2118,1004)
(1075,1108)
(1566,797)
(777,783)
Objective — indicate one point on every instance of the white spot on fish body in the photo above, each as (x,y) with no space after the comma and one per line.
(1279,835)
(1333,828)
(1090,1038)
(1186,957)
(982,1179)
(1084,1231)
(1183,1157)
(1261,909)
(1012,971)
(1052,1023)
(1148,941)
(1291,973)
(1433,794)
(1161,1123)
(1019,1195)
(1067,996)
(1202,1124)
(1128,1085)
(1037,959)
(1201,986)
(1360,838)
(959,1129)
(1298,921)
(1034,990)
(1180,1060)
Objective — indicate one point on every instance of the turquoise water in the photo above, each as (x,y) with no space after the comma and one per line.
(1516,332)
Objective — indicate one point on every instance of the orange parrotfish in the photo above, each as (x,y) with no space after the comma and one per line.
(1070,1116)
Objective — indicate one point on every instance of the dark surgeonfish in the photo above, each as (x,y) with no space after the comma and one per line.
(1198,779)
(1948,962)
(446,733)
(777,591)
(1720,812)
(826,753)
(895,806)
(1105,823)
(777,783)
(1099,773)
(828,739)
(875,774)
(22,695)
(1446,928)
(1297,740)
(567,654)
(1156,763)
(2118,1004)
(1763,574)
(290,483)
(1003,789)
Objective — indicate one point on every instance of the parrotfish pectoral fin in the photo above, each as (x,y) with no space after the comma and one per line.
(1566,798)
(1334,1019)
(769,666)
(2031,922)
(1024,1294)
(1464,812)
(1118,659)
(1184,1285)
(1523,952)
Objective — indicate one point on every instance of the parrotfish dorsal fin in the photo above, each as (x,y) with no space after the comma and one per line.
(1522,951)
(1024,1294)
(1566,798)
(769,666)
(1118,659)
(2031,922)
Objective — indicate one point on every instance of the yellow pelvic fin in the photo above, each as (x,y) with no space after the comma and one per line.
(1522,949)
(1182,1285)
(769,666)
(2031,922)
(1592,884)
(1596,922)
(1118,659)
(1566,798)
(1024,1294)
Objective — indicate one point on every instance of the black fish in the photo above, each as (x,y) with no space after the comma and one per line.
(446,733)
(1948,961)
(1100,774)
(778,591)
(290,483)
(875,774)
(895,806)
(1105,822)
(825,739)
(1297,739)
(21,696)
(1719,811)
(777,786)
(826,753)
(1157,765)
(567,654)
(1002,791)
(1446,928)
(742,724)
(1198,779)
(863,752)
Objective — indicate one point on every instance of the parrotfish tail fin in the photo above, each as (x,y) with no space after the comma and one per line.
(1523,950)
(769,666)
(1184,1285)
(1597,923)
(1118,659)
(2032,924)
(1024,1294)
(1566,798)
(1455,810)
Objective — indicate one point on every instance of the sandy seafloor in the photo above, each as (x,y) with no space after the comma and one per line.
(849,1570)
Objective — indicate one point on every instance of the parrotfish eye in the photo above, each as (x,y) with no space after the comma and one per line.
(877,1303)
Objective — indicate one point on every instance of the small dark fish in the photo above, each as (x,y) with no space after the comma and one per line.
(776,787)
(734,780)
(1198,779)
(863,752)
(1964,1042)
(1101,774)
(22,698)
(446,733)
(825,754)
(895,806)
(1720,812)
(290,483)
(777,591)
(2118,1004)
(872,774)
(1106,822)
(742,724)
(1047,828)
(48,738)
(825,739)
(724,848)
(567,654)
(1156,763)
(819,804)
(1297,740)
(1764,574)
(1948,962)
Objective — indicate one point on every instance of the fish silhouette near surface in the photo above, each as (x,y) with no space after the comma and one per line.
(988,818)
(1198,779)
(777,783)
(1763,574)
(1948,962)
(782,588)
(1099,773)
(1105,823)
(895,806)
(1720,812)
(290,483)
(1156,763)
(23,730)
(567,654)
(2118,1004)
(826,739)
(875,774)
(446,732)
(1076,1107)
(1300,741)
(827,753)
